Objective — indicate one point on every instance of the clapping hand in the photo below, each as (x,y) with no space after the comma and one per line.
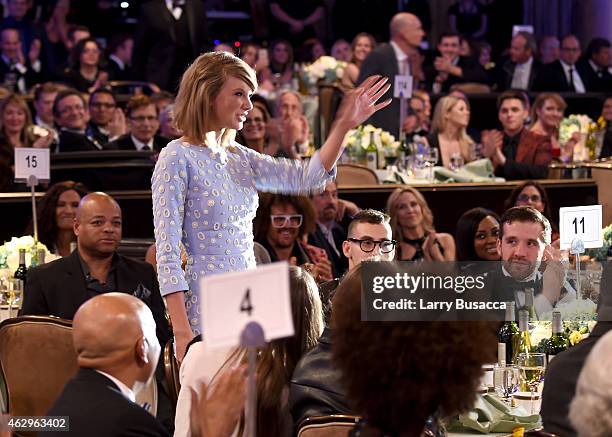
(442,64)
(360,103)
(554,273)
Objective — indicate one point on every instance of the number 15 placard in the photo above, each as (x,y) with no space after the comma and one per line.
(32,162)
(581,222)
(229,301)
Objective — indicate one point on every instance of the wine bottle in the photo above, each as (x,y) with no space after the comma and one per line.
(529,303)
(372,154)
(509,332)
(41,256)
(558,341)
(22,270)
(524,342)
(501,354)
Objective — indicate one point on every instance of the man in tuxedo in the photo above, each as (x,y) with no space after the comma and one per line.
(60,287)
(516,152)
(107,122)
(596,67)
(71,115)
(44,96)
(143,120)
(562,373)
(449,68)
(18,19)
(521,69)
(563,75)
(389,60)
(120,58)
(170,34)
(17,72)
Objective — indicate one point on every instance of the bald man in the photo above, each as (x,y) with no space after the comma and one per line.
(60,287)
(396,57)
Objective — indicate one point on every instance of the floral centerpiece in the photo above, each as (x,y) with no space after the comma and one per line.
(601,253)
(325,69)
(585,148)
(357,141)
(9,253)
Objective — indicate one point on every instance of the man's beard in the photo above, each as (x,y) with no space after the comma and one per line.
(521,270)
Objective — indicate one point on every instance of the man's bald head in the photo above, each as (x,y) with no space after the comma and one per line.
(406,30)
(93,200)
(115,333)
(98,225)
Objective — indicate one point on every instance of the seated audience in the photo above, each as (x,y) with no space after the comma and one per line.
(162,99)
(107,121)
(562,374)
(143,122)
(311,50)
(274,366)
(17,73)
(546,115)
(468,18)
(56,215)
(476,235)
(166,123)
(341,50)
(71,115)
(361,47)
(249,53)
(280,71)
(44,95)
(253,134)
(85,73)
(120,50)
(395,380)
(413,228)
(18,16)
(563,75)
(521,70)
(315,385)
(533,194)
(415,124)
(449,68)
(281,224)
(288,132)
(449,130)
(549,49)
(594,67)
(332,219)
(16,128)
(420,103)
(118,361)
(517,152)
(606,114)
(590,409)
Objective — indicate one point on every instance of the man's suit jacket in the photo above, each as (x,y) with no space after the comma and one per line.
(97,407)
(552,78)
(76,142)
(339,262)
(505,73)
(471,69)
(533,155)
(116,73)
(58,288)
(125,142)
(155,39)
(30,77)
(383,61)
(592,82)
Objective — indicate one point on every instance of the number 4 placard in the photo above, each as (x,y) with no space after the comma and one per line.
(582,222)
(230,301)
(30,161)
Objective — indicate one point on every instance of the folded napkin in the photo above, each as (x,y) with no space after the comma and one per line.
(480,170)
(490,414)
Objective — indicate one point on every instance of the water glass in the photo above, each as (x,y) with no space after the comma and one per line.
(506,382)
(431,159)
(531,371)
(456,161)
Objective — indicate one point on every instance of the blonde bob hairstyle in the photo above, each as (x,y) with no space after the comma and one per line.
(439,123)
(200,85)
(393,206)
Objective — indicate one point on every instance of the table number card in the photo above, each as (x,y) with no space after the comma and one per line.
(582,222)
(32,162)
(402,87)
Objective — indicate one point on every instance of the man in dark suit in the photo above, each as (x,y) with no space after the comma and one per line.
(107,122)
(168,37)
(60,287)
(143,120)
(563,75)
(392,59)
(17,73)
(562,372)
(119,66)
(18,19)
(595,66)
(521,69)
(449,68)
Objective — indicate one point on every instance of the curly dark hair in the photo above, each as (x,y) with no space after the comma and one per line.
(302,204)
(47,226)
(397,374)
(467,225)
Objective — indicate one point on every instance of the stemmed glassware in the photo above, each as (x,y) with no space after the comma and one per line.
(506,382)
(531,371)
(431,159)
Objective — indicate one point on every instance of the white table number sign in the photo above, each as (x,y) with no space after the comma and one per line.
(581,222)
(229,301)
(402,87)
(32,162)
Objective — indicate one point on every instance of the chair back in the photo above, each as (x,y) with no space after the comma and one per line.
(472,88)
(330,97)
(335,425)
(353,174)
(171,369)
(132,87)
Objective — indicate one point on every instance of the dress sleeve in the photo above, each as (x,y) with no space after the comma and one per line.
(289,176)
(169,189)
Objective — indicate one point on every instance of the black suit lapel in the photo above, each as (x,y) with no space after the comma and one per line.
(189,9)
(168,18)
(75,282)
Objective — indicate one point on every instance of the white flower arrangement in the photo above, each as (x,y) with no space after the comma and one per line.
(9,252)
(357,141)
(325,68)
(579,311)
(574,123)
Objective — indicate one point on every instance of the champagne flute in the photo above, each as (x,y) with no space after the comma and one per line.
(531,370)
(506,382)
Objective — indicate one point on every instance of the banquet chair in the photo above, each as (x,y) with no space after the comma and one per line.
(335,425)
(330,97)
(353,174)
(171,371)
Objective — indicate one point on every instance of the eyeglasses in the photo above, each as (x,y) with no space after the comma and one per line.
(286,221)
(68,109)
(100,105)
(368,246)
(142,119)
(525,198)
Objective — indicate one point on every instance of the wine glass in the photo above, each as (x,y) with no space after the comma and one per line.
(431,159)
(456,161)
(531,371)
(506,382)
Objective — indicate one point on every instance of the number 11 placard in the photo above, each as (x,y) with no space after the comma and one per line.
(581,222)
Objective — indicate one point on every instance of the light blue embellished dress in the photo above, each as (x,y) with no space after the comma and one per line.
(206,198)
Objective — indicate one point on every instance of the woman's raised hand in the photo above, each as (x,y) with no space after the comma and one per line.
(360,103)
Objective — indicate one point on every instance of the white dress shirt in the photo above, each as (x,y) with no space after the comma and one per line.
(125,390)
(176,12)
(520,78)
(578,84)
(403,64)
(140,145)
